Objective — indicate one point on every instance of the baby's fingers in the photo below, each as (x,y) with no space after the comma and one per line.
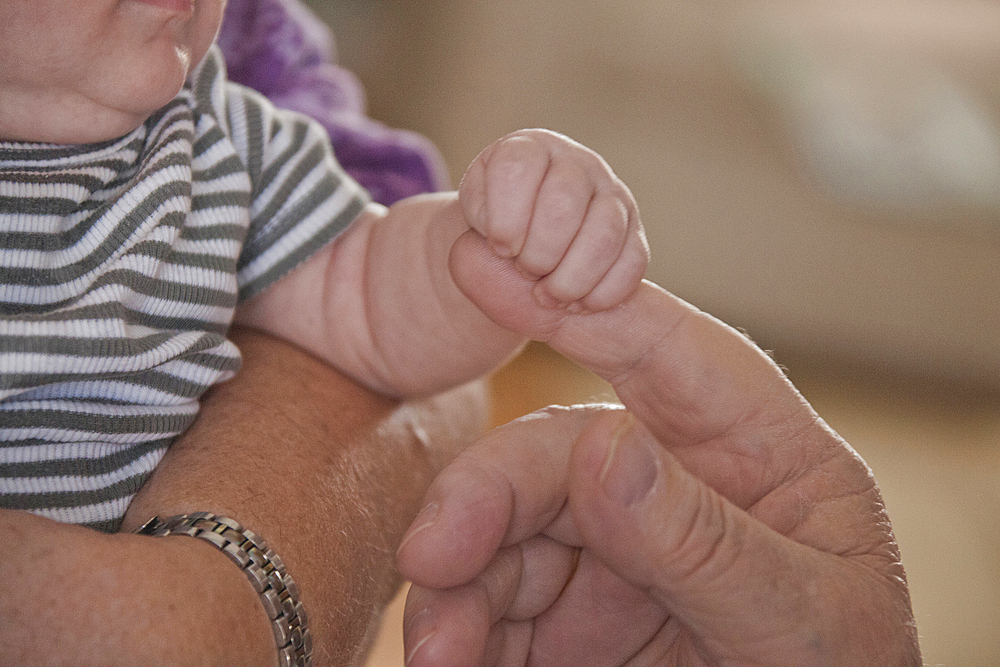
(499,190)
(623,278)
(601,243)
(566,195)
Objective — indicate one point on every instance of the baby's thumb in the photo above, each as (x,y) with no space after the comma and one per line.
(711,565)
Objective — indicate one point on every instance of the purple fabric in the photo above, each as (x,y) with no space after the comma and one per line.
(281,49)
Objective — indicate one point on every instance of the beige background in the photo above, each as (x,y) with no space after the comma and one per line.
(825,175)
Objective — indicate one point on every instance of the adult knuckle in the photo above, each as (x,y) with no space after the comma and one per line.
(702,549)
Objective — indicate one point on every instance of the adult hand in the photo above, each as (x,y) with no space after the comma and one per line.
(725,523)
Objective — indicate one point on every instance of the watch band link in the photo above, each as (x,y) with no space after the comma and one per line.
(262,567)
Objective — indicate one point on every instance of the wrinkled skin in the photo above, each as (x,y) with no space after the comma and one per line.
(716,521)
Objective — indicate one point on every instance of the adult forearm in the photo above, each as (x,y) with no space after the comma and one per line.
(327,472)
(73,596)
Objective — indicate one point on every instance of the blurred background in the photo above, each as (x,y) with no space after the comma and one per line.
(822,174)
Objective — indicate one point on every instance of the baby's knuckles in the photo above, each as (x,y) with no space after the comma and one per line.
(517,153)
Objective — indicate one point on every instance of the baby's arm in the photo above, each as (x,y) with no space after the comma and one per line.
(381,303)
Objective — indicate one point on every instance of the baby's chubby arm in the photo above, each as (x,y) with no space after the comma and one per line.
(433,291)
(379,304)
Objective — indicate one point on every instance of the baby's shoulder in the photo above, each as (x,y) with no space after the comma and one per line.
(265,138)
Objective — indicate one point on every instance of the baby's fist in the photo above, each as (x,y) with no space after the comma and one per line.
(558,212)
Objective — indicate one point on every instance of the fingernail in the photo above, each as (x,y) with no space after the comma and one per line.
(501,249)
(425,519)
(420,628)
(546,300)
(629,469)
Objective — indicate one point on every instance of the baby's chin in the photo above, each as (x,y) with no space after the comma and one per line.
(85,115)
(104,131)
(69,128)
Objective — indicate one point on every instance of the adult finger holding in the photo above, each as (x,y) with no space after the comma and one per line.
(744,531)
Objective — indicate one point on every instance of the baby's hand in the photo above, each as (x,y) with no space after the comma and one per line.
(556,210)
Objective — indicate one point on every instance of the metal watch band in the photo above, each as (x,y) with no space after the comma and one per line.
(262,567)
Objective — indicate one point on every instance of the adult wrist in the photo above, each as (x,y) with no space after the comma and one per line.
(264,570)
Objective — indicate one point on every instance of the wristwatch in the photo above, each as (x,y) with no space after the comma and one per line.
(261,566)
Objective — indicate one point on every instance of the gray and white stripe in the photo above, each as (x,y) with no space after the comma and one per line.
(121,265)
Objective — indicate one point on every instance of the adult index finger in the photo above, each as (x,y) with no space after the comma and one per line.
(706,391)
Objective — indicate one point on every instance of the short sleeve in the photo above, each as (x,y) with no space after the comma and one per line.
(301,198)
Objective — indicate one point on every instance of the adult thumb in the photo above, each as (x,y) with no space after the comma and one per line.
(733,583)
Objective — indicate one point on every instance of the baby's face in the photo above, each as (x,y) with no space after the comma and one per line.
(82,71)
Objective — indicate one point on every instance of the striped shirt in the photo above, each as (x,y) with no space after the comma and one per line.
(121,265)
